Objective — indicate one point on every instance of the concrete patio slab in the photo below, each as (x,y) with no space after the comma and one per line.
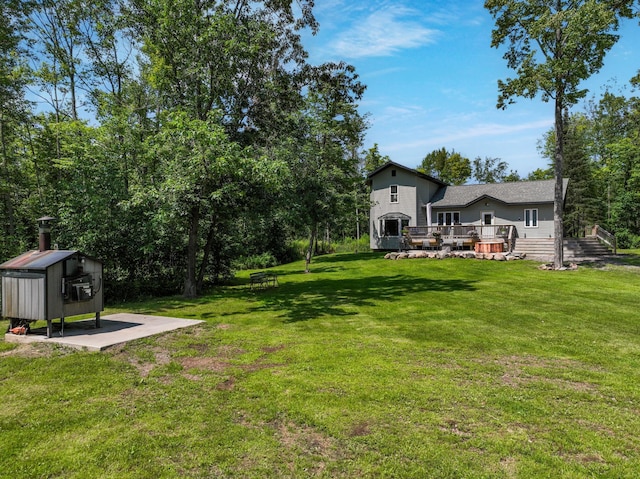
(115,329)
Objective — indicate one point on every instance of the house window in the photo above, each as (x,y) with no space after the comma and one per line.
(393,172)
(393,227)
(448,218)
(394,193)
(389,227)
(531,218)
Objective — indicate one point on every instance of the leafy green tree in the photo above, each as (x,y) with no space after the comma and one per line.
(448,166)
(325,167)
(15,177)
(204,183)
(554,45)
(540,174)
(373,160)
(56,27)
(489,170)
(244,59)
(614,125)
(624,171)
(512,176)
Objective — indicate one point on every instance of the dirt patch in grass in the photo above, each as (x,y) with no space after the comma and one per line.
(144,361)
(273,349)
(227,385)
(302,440)
(360,429)
(583,458)
(202,348)
(229,351)
(32,350)
(205,363)
(510,466)
(516,374)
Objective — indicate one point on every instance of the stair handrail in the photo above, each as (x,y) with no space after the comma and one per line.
(604,236)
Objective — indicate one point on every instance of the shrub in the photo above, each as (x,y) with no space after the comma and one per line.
(257,261)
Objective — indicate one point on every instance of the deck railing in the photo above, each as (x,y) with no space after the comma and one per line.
(447,233)
(604,236)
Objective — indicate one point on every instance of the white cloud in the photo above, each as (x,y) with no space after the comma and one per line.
(481,130)
(384,32)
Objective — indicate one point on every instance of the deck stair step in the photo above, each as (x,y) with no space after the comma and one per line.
(584,247)
(573,247)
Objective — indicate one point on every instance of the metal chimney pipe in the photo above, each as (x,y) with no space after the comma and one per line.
(44,233)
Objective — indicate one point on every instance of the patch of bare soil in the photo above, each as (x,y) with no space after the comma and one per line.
(273,349)
(584,458)
(205,363)
(509,466)
(360,429)
(161,356)
(515,374)
(227,385)
(37,350)
(301,440)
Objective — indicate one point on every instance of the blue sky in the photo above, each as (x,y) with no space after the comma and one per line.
(431,78)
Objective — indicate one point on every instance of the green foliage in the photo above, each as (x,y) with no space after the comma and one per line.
(373,160)
(260,261)
(554,45)
(540,174)
(448,166)
(490,170)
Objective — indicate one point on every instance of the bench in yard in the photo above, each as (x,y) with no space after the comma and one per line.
(263,280)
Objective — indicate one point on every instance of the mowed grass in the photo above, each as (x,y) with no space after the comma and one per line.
(363,368)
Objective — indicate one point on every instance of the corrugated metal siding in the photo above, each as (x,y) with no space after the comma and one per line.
(23,298)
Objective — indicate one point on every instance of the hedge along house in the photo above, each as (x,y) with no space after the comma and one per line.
(403,198)
(46,284)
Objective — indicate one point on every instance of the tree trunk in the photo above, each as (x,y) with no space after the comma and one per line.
(206,253)
(312,239)
(191,283)
(558,230)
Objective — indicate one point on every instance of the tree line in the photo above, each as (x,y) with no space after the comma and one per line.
(169,137)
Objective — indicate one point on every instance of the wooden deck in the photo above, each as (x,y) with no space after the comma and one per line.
(456,236)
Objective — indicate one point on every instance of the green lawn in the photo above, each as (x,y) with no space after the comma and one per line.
(364,368)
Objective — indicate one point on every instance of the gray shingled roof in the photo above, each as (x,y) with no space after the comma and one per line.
(389,164)
(530,192)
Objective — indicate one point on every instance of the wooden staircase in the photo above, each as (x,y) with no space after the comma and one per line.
(574,248)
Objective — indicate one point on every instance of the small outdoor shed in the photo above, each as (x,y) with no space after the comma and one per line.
(47,284)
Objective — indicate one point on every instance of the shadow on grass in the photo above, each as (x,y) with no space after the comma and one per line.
(309,300)
(327,297)
(320,264)
(347,257)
